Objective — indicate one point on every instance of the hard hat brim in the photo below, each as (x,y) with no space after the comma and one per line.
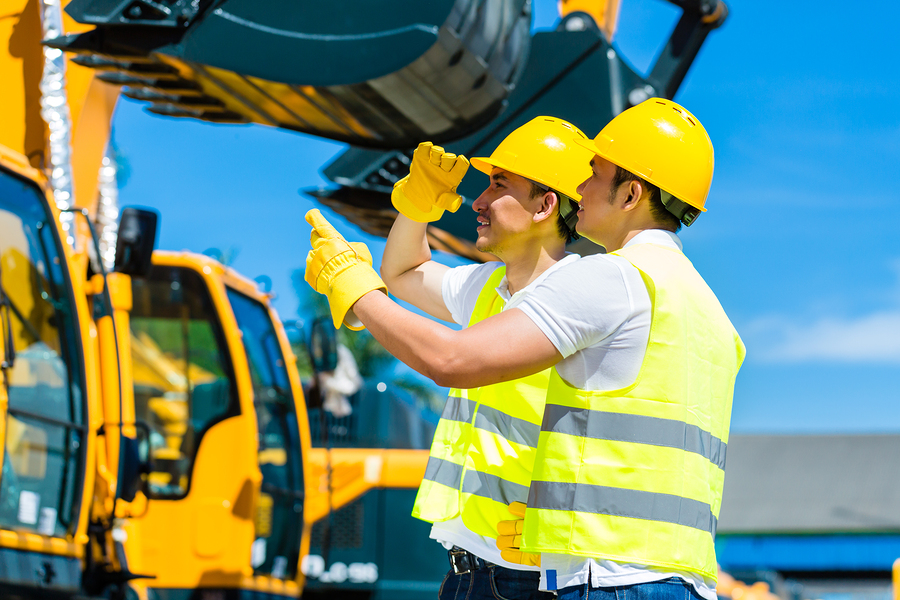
(486,165)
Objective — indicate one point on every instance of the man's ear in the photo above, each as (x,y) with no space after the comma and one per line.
(549,201)
(635,193)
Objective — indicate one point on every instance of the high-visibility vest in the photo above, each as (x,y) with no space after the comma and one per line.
(484,444)
(635,475)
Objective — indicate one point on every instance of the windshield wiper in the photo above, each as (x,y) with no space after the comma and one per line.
(7,305)
(9,351)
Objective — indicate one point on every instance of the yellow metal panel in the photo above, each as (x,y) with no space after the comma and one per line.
(166,541)
(21,65)
(211,526)
(21,68)
(604,12)
(39,543)
(77,264)
(90,136)
(354,471)
(895,579)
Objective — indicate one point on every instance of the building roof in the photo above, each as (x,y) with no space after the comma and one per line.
(811,484)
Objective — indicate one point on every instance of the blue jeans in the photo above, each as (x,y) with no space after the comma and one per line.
(493,583)
(668,589)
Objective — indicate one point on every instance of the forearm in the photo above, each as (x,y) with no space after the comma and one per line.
(409,272)
(502,348)
(406,248)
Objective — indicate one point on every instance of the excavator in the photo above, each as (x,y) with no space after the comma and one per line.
(155,434)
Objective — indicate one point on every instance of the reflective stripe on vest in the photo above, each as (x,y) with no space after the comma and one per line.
(635,475)
(483,449)
(639,429)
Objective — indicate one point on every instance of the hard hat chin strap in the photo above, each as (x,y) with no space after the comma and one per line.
(568,210)
(686,213)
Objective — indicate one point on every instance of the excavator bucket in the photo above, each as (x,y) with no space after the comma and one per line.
(359,71)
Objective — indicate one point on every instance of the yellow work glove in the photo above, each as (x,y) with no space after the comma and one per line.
(509,538)
(430,187)
(340,270)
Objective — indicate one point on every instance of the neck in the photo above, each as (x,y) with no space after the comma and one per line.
(631,227)
(524,267)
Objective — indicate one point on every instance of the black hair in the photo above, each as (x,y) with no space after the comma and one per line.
(565,232)
(658,210)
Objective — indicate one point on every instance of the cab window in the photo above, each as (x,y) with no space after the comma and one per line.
(44,434)
(183,379)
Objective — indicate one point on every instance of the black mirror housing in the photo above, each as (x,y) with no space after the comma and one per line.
(130,469)
(136,241)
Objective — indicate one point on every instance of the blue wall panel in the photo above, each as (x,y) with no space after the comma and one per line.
(808,552)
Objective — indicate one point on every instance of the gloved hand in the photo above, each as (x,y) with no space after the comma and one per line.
(430,187)
(340,270)
(509,538)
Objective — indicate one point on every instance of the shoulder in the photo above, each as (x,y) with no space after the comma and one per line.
(461,287)
(594,295)
(466,276)
(596,269)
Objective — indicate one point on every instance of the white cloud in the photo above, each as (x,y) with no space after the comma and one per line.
(873,338)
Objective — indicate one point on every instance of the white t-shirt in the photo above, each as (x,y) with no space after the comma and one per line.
(460,289)
(601,325)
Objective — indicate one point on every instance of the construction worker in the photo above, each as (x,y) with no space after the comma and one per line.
(629,469)
(484,444)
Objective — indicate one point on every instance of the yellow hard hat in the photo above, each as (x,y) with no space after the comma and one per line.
(660,142)
(542,150)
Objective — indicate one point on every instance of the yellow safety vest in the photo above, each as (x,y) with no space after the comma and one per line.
(635,475)
(484,445)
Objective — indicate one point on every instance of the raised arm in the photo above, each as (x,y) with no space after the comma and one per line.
(408,270)
(421,197)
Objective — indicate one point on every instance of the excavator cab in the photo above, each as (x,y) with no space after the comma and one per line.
(224,438)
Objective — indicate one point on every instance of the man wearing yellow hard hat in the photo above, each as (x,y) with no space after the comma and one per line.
(629,468)
(484,444)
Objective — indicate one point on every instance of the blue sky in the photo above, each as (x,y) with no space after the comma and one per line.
(800,100)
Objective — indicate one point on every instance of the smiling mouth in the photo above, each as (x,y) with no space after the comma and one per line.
(483,222)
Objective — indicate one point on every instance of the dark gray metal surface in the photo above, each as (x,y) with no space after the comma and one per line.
(811,484)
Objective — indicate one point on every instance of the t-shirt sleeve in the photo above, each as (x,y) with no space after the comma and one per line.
(461,286)
(581,304)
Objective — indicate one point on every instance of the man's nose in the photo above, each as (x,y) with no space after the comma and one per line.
(480,203)
(580,188)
